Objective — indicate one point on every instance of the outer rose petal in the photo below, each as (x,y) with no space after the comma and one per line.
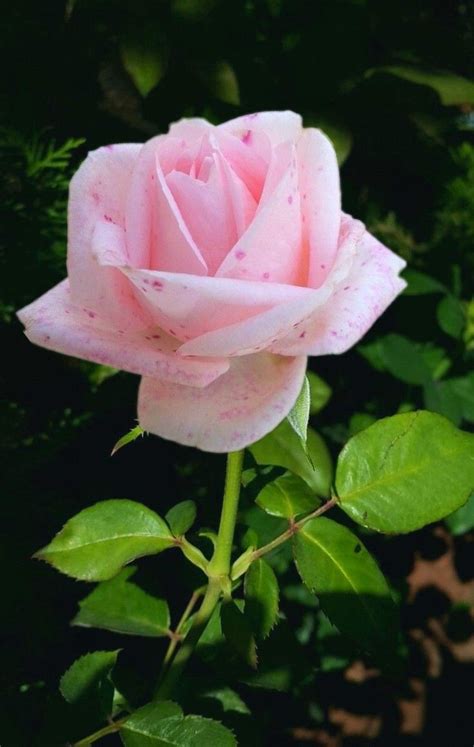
(98,192)
(139,211)
(278,126)
(234,411)
(320,204)
(287,321)
(261,331)
(189,306)
(358,298)
(54,323)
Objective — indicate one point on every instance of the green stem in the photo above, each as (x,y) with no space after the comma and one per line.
(175,639)
(200,621)
(110,729)
(292,529)
(220,563)
(218,572)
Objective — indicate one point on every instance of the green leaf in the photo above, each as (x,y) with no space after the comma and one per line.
(452,89)
(462,520)
(263,526)
(156,711)
(230,701)
(283,448)
(191,731)
(123,607)
(464,390)
(451,317)
(420,284)
(132,435)
(299,414)
(221,81)
(351,588)
(137,730)
(148,728)
(402,357)
(320,392)
(359,421)
(436,359)
(405,471)
(288,497)
(261,598)
(237,633)
(181,517)
(210,535)
(87,681)
(96,543)
(440,396)
(248,476)
(281,666)
(143,58)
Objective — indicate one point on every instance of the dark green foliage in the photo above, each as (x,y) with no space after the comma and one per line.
(378,77)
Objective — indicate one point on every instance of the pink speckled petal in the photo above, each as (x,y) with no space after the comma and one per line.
(359,295)
(248,155)
(242,203)
(206,209)
(261,331)
(188,306)
(157,235)
(140,209)
(278,126)
(98,192)
(237,409)
(108,245)
(271,248)
(321,202)
(190,130)
(173,248)
(53,322)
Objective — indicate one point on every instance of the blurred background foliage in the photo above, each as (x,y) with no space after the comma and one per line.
(392,83)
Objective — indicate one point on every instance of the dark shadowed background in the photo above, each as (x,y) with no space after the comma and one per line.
(392,83)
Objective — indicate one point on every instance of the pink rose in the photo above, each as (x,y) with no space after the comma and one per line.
(212,261)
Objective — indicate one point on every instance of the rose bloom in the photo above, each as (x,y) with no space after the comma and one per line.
(212,261)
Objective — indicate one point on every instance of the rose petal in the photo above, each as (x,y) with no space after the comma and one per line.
(156,233)
(278,126)
(170,150)
(321,202)
(173,248)
(234,411)
(108,245)
(191,129)
(206,209)
(98,192)
(53,322)
(188,306)
(272,247)
(241,200)
(248,155)
(358,296)
(285,321)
